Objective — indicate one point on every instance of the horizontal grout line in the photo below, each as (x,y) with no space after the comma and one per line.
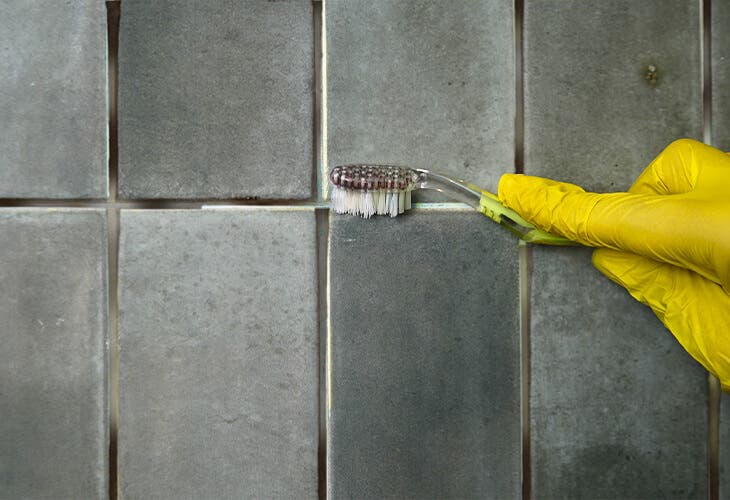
(202,205)
(154,204)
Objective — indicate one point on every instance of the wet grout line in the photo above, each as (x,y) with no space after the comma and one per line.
(113,350)
(113,16)
(322,130)
(524,260)
(713,385)
(323,240)
(322,223)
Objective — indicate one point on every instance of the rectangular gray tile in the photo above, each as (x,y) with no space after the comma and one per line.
(720,66)
(425,358)
(725,446)
(53,99)
(595,112)
(53,332)
(422,83)
(618,408)
(218,362)
(216,99)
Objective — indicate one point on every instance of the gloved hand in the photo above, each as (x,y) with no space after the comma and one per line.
(667,241)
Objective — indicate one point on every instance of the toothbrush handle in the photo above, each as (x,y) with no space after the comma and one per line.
(490,206)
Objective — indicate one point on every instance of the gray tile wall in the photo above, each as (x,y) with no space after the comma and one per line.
(53,332)
(607,86)
(618,409)
(215,99)
(425,358)
(725,446)
(720,45)
(218,363)
(594,114)
(422,83)
(221,311)
(53,90)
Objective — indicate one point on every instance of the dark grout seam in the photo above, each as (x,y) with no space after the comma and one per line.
(519,87)
(713,385)
(524,260)
(113,16)
(525,276)
(317,180)
(322,228)
(322,224)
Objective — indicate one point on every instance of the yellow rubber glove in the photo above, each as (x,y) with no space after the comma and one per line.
(667,241)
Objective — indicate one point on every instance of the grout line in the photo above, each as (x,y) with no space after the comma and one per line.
(713,420)
(323,111)
(317,178)
(328,340)
(322,229)
(113,15)
(706,68)
(524,261)
(713,385)
(113,300)
(160,204)
(519,88)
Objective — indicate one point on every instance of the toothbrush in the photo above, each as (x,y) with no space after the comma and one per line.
(367,190)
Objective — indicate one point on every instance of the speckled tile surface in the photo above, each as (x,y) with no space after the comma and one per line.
(216,99)
(53,93)
(425,358)
(218,363)
(54,436)
(618,408)
(595,112)
(421,83)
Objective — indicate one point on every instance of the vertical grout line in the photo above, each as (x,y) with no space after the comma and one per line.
(706,71)
(713,408)
(322,228)
(323,111)
(519,88)
(524,259)
(113,260)
(317,178)
(113,14)
(713,385)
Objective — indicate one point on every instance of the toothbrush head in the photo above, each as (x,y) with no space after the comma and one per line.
(367,190)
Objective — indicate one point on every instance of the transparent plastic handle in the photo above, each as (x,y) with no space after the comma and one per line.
(490,206)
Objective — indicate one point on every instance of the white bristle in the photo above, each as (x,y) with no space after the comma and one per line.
(352,198)
(367,190)
(339,196)
(393,209)
(368,205)
(382,197)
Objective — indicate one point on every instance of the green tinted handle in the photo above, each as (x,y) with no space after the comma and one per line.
(490,206)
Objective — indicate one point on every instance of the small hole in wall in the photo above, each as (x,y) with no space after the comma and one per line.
(651,75)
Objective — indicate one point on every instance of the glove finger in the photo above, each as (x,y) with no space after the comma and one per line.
(678,229)
(694,309)
(677,170)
